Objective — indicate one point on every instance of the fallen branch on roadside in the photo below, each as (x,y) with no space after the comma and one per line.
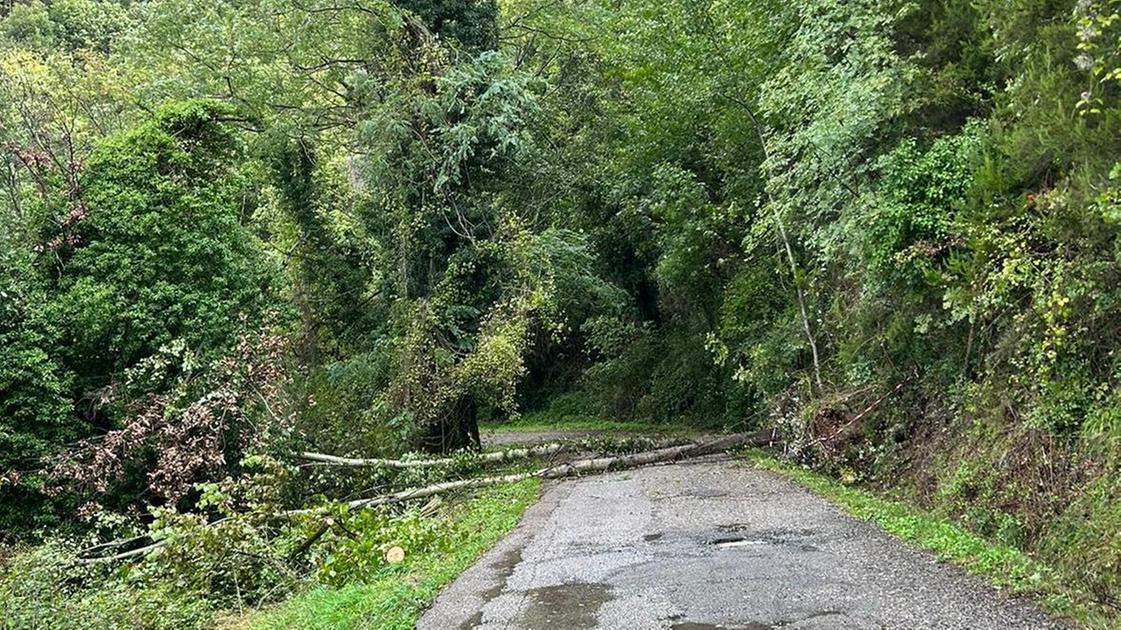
(124,555)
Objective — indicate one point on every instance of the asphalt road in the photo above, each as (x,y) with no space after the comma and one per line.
(709,544)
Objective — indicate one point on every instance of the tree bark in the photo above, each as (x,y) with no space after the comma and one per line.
(456,430)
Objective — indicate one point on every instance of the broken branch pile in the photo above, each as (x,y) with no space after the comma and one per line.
(567,469)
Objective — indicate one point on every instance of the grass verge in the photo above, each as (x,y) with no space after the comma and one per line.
(396,597)
(1007,568)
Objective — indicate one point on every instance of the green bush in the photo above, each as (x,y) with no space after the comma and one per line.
(163,253)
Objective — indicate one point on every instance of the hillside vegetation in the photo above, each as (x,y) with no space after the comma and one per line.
(235,230)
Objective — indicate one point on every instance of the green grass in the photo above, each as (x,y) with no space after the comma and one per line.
(396,597)
(1007,568)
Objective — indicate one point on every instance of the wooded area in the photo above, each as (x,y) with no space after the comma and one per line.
(237,231)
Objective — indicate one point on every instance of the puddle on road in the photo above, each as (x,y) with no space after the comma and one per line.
(508,561)
(505,567)
(568,606)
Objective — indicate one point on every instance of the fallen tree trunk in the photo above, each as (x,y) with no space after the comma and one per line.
(599,464)
(495,457)
(508,455)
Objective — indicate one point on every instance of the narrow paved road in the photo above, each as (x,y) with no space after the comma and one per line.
(709,544)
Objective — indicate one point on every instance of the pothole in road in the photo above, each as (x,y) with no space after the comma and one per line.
(736,542)
(790,537)
(695,626)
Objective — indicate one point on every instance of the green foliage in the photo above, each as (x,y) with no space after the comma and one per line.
(238,556)
(362,558)
(150,260)
(41,586)
(36,412)
(1099,30)
(345,411)
(65,24)
(912,231)
(161,254)
(234,563)
(330,258)
(1088,530)
(668,212)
